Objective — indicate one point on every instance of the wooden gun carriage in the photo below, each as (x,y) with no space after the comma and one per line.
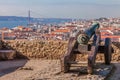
(80,44)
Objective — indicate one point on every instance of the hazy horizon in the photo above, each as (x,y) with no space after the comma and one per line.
(83,9)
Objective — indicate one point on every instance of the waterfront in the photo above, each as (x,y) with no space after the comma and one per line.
(11,24)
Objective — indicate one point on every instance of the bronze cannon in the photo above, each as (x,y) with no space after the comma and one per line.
(88,41)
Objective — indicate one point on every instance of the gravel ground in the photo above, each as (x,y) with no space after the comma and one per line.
(46,70)
(22,68)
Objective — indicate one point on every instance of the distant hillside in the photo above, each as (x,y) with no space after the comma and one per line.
(42,20)
(13,18)
(53,20)
(13,21)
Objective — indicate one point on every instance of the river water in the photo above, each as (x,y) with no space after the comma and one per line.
(11,24)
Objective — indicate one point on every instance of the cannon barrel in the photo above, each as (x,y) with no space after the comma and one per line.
(84,37)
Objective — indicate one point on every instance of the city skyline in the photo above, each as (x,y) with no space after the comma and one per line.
(84,9)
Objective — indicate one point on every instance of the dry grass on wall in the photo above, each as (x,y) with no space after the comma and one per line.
(51,50)
(38,49)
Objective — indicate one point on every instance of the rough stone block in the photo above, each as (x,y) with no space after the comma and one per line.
(7,54)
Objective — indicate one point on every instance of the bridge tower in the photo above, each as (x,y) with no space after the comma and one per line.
(29,16)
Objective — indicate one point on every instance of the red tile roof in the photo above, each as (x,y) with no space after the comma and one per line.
(62,30)
(112,36)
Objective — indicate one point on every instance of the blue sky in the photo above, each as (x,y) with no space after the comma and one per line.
(61,8)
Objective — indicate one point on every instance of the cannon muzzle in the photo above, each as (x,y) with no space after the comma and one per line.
(84,37)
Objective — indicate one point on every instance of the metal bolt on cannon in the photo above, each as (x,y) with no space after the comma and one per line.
(81,44)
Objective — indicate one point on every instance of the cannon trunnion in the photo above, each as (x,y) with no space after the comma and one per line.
(81,44)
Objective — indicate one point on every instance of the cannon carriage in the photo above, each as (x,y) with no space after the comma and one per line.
(81,44)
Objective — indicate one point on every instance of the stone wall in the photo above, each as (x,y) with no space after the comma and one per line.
(37,49)
(49,49)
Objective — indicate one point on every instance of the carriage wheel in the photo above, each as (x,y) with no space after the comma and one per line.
(107,51)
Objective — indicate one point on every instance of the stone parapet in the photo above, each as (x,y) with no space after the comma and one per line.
(49,50)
